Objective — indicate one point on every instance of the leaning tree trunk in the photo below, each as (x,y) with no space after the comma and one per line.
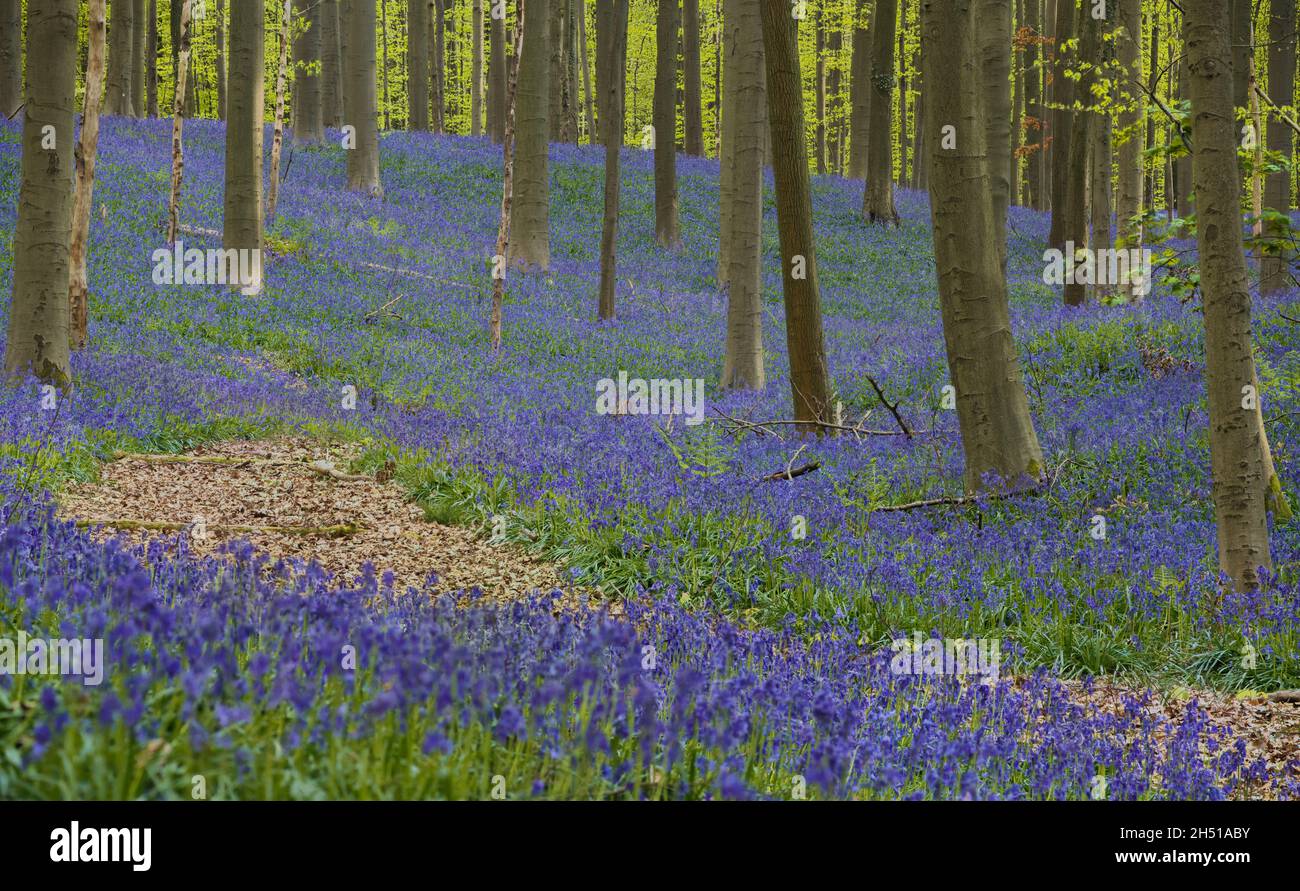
(611,52)
(859,93)
(667,228)
(1128,205)
(1062,122)
(692,91)
(121,59)
(878,199)
(810,382)
(997,432)
(994,22)
(363,102)
(139,48)
(11,56)
(242,222)
(308,127)
(1240,487)
(743,367)
(497,74)
(38,316)
(87,146)
(1081,136)
(417,65)
(530,243)
(1274,267)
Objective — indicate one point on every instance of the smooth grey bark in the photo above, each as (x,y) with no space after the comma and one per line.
(476,72)
(1240,486)
(497,79)
(994,21)
(611,82)
(1062,121)
(1100,185)
(331,86)
(1182,166)
(85,152)
(417,65)
(308,126)
(438,45)
(729,39)
(1035,113)
(810,382)
(221,58)
(667,226)
(997,432)
(692,89)
(530,242)
(37,341)
(819,92)
(121,59)
(242,219)
(151,78)
(1128,204)
(359,75)
(1242,37)
(139,66)
(878,198)
(555,95)
(11,56)
(859,93)
(1274,266)
(1089,29)
(743,366)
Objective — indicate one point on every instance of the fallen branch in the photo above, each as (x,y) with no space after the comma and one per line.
(326,468)
(1285,696)
(194,459)
(893,409)
(789,474)
(336,531)
(761,427)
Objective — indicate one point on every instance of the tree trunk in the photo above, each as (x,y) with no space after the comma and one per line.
(221,59)
(476,77)
(331,86)
(417,65)
(859,93)
(1100,188)
(1183,164)
(1274,267)
(667,230)
(363,97)
(151,77)
(1034,129)
(530,215)
(592,134)
(438,23)
(902,96)
(1129,202)
(178,119)
(1081,144)
(242,226)
(555,97)
(139,49)
(819,27)
(1242,38)
(920,166)
(878,199)
(507,186)
(38,316)
(611,37)
(994,22)
(78,289)
(497,74)
(11,56)
(1062,121)
(834,88)
(121,59)
(743,367)
(730,39)
(810,382)
(281,87)
(308,127)
(692,108)
(1236,457)
(992,411)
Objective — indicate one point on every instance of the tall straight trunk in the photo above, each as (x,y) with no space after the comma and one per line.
(139,51)
(1240,487)
(1100,184)
(611,42)
(496,75)
(878,199)
(743,367)
(308,126)
(530,243)
(38,316)
(1062,120)
(507,189)
(997,432)
(1129,201)
(437,43)
(819,27)
(859,93)
(593,135)
(476,78)
(242,225)
(331,83)
(1274,265)
(667,229)
(121,59)
(185,21)
(1242,50)
(151,76)
(1017,103)
(902,96)
(221,57)
(1183,164)
(11,56)
(1081,145)
(810,382)
(555,34)
(730,40)
(417,65)
(692,96)
(920,166)
(1035,113)
(281,90)
(363,96)
(834,87)
(383,66)
(87,147)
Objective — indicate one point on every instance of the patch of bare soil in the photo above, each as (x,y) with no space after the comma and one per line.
(293,498)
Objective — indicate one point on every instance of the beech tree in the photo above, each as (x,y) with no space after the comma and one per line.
(121,59)
(87,148)
(530,241)
(859,93)
(1128,203)
(417,65)
(242,218)
(308,126)
(11,56)
(997,433)
(692,92)
(810,381)
(1239,483)
(37,341)
(995,56)
(611,50)
(667,228)
(1274,266)
(363,102)
(878,199)
(1062,121)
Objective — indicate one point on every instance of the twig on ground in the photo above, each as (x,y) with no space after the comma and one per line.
(336,531)
(893,409)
